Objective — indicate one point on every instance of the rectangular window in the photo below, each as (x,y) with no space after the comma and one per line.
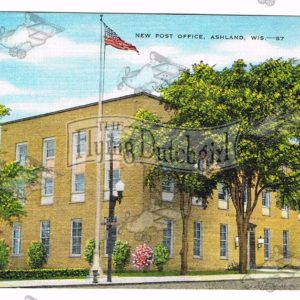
(45,235)
(76,237)
(224,241)
(49,148)
(21,153)
(20,194)
(266,199)
(222,192)
(16,239)
(198,239)
(267,244)
(79,184)
(114,236)
(80,137)
(116,137)
(48,186)
(167,183)
(285,249)
(168,235)
(116,178)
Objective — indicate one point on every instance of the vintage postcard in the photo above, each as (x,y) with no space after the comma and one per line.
(149,150)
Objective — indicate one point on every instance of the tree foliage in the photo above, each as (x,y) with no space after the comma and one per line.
(264,100)
(12,176)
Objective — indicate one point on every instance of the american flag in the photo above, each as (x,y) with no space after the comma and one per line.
(112,39)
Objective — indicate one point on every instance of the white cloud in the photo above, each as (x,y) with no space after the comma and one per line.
(8,89)
(36,107)
(56,47)
(59,47)
(224,53)
(143,58)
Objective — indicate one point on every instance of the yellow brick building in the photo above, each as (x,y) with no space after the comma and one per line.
(61,209)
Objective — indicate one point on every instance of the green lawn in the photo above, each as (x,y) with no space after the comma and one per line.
(173,273)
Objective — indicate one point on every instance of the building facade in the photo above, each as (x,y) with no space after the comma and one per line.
(61,209)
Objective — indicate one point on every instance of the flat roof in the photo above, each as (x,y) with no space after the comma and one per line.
(83,106)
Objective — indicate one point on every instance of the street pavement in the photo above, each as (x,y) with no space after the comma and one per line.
(263,277)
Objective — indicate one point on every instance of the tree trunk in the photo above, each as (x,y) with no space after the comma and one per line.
(185,246)
(185,210)
(243,245)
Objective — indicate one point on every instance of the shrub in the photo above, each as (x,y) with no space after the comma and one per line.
(121,255)
(43,274)
(89,251)
(36,255)
(233,266)
(142,257)
(161,256)
(4,254)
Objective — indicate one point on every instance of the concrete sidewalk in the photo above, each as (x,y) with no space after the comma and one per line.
(264,274)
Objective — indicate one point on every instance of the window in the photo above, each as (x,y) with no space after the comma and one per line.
(116,178)
(224,241)
(45,236)
(16,239)
(116,137)
(168,235)
(76,237)
(114,236)
(49,148)
(285,249)
(20,194)
(167,183)
(267,244)
(79,186)
(48,186)
(80,137)
(21,153)
(222,192)
(266,199)
(198,239)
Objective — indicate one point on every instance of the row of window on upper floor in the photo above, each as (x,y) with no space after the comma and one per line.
(223,196)
(79,179)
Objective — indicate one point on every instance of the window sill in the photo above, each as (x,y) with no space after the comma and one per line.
(16,255)
(75,256)
(198,257)
(224,258)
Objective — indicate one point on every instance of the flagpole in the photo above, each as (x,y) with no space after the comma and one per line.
(96,268)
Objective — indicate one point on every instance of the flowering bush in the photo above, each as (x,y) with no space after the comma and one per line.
(142,257)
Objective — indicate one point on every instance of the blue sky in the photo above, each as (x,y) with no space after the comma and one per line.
(64,72)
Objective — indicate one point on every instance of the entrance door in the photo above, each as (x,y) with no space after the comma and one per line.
(252,248)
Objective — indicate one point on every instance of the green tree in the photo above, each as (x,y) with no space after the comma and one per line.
(12,176)
(264,99)
(37,255)
(4,254)
(148,137)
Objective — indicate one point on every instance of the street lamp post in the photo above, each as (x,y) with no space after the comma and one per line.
(112,203)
